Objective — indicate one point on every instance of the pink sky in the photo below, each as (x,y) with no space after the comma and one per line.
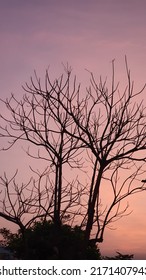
(88,34)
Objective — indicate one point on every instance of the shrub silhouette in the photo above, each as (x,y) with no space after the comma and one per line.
(45,241)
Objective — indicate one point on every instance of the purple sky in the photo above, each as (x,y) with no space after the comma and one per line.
(36,34)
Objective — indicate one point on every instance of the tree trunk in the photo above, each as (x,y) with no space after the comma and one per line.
(57,200)
(91,205)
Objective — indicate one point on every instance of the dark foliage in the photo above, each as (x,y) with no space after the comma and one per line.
(46,241)
(120,256)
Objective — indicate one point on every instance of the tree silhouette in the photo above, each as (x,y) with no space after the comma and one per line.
(44,242)
(120,256)
(102,126)
(35,122)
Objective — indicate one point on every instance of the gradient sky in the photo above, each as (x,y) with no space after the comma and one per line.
(88,34)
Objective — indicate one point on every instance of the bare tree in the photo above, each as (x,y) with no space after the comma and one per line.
(111,126)
(35,119)
(105,126)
